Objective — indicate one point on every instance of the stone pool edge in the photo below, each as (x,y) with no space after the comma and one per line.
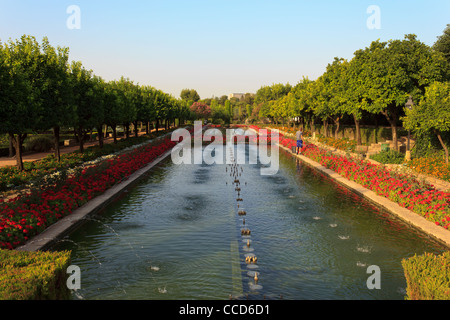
(68,224)
(413,219)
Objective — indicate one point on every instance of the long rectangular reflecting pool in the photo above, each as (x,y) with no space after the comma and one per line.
(178,234)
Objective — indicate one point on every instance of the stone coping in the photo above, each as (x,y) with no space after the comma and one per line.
(68,224)
(438,233)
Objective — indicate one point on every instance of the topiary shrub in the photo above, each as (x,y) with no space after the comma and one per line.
(33,275)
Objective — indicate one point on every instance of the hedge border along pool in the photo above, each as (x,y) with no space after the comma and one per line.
(427,277)
(33,275)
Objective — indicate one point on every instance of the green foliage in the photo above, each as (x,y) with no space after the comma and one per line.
(38,143)
(427,277)
(189,95)
(443,43)
(389,157)
(432,114)
(33,275)
(433,110)
(427,144)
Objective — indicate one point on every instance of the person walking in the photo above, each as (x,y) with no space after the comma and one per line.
(299,136)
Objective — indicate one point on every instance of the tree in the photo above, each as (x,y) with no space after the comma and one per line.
(98,102)
(334,90)
(88,113)
(128,103)
(248,110)
(443,43)
(222,99)
(432,114)
(229,109)
(201,110)
(392,71)
(148,113)
(113,106)
(20,92)
(189,94)
(56,95)
(299,100)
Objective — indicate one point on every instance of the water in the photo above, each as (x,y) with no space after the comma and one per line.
(177,235)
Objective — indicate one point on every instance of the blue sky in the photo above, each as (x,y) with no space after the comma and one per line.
(218,46)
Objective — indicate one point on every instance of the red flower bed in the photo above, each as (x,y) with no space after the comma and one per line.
(404,190)
(23,217)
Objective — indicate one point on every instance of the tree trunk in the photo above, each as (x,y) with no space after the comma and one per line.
(56,131)
(17,141)
(136,130)
(147,128)
(438,133)
(127,130)
(11,147)
(325,127)
(337,123)
(358,130)
(393,122)
(157,125)
(81,139)
(114,130)
(100,135)
(394,134)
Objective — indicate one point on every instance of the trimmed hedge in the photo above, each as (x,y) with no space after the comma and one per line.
(33,275)
(427,277)
(389,157)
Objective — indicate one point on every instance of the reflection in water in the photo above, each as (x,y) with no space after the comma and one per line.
(177,235)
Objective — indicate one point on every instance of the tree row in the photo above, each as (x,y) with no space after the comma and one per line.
(379,80)
(42,90)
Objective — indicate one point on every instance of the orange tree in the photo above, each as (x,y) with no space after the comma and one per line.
(432,114)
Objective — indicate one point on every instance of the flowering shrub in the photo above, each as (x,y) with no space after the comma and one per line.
(200,109)
(343,144)
(25,216)
(433,166)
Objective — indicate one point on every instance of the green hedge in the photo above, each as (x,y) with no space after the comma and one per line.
(428,277)
(389,157)
(33,275)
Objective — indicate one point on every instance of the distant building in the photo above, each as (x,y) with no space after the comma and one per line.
(236,95)
(239,95)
